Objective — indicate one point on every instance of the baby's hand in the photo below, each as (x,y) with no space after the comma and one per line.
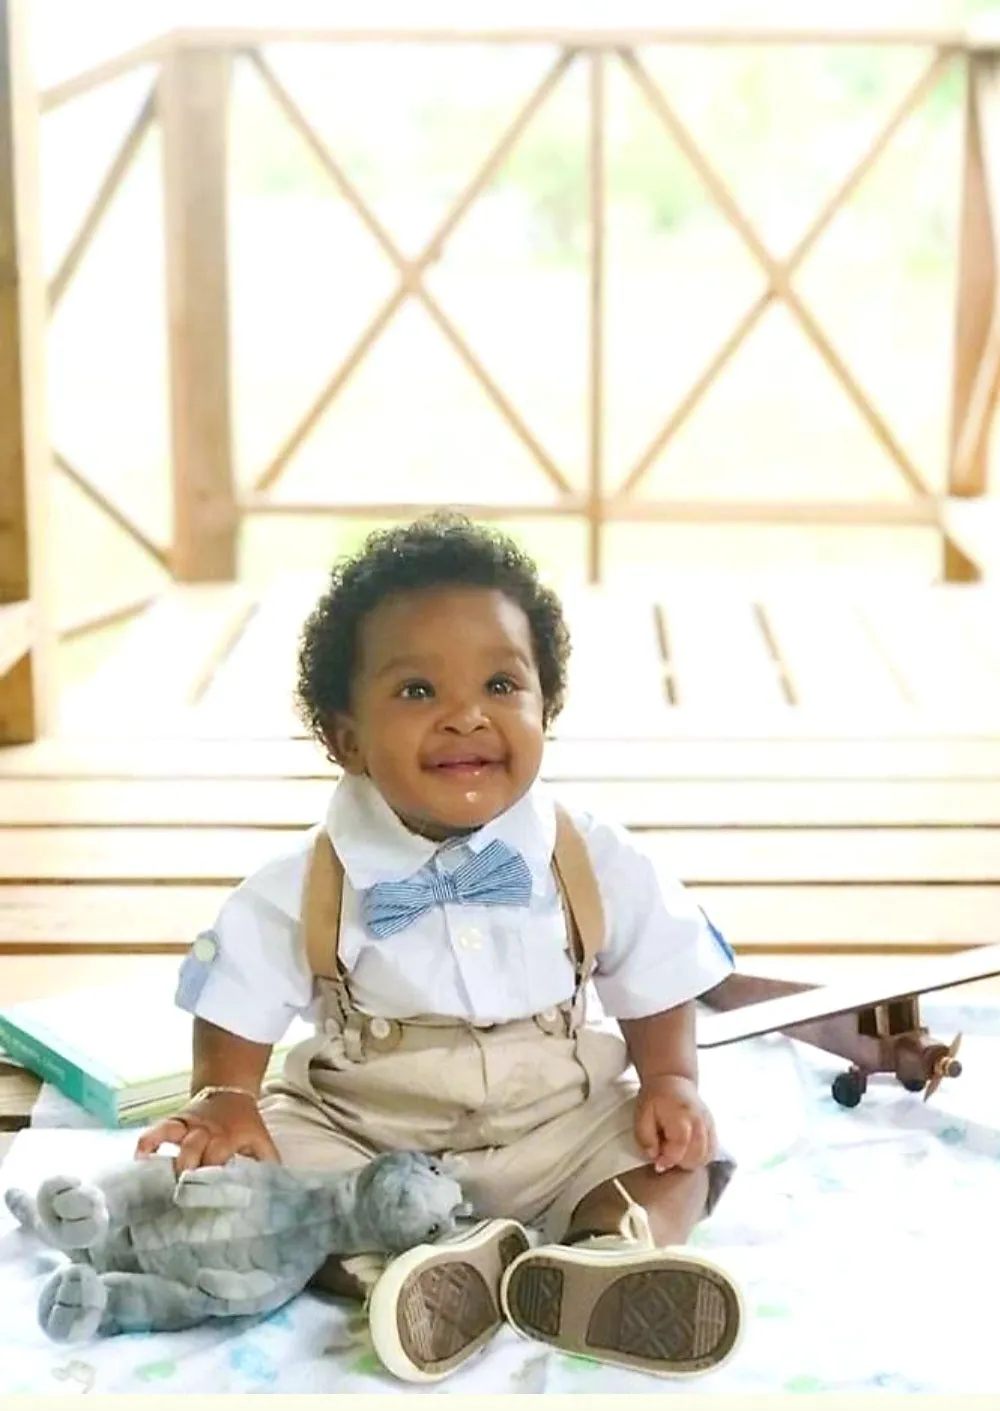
(672,1125)
(209,1132)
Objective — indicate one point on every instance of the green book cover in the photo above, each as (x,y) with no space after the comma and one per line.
(108,1049)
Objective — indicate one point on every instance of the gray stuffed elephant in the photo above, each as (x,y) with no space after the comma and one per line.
(151,1252)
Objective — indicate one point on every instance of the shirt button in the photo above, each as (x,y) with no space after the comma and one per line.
(205,949)
(379,1028)
(470,940)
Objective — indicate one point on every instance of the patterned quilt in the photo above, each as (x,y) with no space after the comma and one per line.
(859,1237)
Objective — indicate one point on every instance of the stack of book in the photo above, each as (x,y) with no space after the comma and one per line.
(120,1053)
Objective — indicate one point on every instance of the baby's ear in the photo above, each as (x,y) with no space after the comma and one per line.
(340,739)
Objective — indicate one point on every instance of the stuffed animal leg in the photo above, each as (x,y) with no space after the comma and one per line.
(77,1302)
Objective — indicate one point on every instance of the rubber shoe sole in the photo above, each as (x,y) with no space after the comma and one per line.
(437,1306)
(667,1313)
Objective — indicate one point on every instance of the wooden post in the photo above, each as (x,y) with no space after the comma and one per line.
(192,100)
(973,392)
(25,686)
(595,479)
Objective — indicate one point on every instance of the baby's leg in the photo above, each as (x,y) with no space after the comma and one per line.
(674,1201)
(613,1282)
(78,1303)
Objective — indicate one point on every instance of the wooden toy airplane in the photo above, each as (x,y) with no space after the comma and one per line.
(875,1027)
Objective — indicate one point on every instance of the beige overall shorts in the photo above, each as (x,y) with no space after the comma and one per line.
(536,1112)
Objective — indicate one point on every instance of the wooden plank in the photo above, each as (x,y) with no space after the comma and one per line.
(918,634)
(25,692)
(31,977)
(15,633)
(880,757)
(850,918)
(163,661)
(192,104)
(615,676)
(640,803)
(162,918)
(251,693)
(150,918)
(829,659)
(718,655)
(224,855)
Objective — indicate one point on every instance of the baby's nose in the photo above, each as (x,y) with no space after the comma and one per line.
(465,717)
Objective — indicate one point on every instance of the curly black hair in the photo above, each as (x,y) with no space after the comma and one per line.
(433,551)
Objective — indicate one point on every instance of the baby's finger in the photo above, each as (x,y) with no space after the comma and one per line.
(261,1147)
(674,1140)
(647,1130)
(168,1133)
(217,1151)
(192,1150)
(697,1150)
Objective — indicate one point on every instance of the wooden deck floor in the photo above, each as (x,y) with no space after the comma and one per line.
(822,769)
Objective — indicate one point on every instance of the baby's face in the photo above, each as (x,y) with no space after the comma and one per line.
(447,711)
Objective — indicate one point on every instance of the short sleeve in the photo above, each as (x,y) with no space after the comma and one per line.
(248,974)
(661,950)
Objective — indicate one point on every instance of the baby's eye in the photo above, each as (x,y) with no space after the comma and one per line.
(416,691)
(501,685)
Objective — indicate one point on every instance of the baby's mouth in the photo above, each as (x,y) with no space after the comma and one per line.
(464,766)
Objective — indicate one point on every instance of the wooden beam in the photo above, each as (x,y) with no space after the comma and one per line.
(595,37)
(15,634)
(24,691)
(977,325)
(192,99)
(113,179)
(105,72)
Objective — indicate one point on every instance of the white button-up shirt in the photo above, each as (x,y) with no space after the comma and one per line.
(485,964)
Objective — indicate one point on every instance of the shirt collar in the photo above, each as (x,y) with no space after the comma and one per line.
(374,846)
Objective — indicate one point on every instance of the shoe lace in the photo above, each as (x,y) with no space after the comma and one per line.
(634,1225)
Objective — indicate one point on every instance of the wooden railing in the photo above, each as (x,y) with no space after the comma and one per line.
(188,98)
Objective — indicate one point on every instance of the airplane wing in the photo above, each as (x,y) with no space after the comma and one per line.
(901,980)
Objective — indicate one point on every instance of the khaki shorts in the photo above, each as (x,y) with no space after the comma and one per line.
(534,1121)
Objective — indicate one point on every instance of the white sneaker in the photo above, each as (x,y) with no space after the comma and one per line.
(438,1305)
(618,1299)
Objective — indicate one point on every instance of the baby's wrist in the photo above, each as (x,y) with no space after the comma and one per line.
(212,1090)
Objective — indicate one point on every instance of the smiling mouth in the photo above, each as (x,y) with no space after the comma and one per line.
(470,764)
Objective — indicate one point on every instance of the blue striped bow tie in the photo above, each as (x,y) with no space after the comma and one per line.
(497,876)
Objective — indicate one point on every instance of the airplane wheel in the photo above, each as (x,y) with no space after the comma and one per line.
(849,1088)
(914,1085)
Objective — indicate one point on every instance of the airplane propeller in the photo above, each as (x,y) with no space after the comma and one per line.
(946,1066)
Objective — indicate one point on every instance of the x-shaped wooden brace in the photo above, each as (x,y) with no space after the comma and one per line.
(411,272)
(779,273)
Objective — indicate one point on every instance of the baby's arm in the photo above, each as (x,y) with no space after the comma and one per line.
(210,1131)
(673,1126)
(660,954)
(243,983)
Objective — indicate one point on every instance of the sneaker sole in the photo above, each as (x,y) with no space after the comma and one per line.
(439,1305)
(669,1314)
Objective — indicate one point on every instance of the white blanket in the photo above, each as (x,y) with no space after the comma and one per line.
(859,1238)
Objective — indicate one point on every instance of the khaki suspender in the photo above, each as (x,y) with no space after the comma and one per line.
(574,874)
